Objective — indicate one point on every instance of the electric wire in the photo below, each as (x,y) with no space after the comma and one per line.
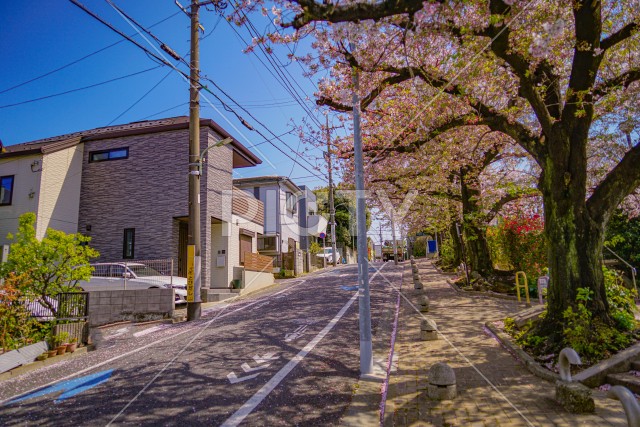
(48,73)
(275,76)
(187,78)
(79,89)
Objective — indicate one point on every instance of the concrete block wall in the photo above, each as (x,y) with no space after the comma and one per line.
(139,305)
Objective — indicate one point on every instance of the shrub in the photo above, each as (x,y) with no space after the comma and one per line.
(49,266)
(518,241)
(18,328)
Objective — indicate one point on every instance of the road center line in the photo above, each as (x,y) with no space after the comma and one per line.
(266,389)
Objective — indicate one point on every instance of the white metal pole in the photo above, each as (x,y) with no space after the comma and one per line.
(364,302)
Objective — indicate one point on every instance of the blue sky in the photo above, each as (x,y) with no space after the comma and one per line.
(38,38)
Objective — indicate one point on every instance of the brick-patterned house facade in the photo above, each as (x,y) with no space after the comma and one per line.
(134,195)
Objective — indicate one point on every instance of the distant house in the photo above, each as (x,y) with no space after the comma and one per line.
(281,221)
(131,196)
(308,218)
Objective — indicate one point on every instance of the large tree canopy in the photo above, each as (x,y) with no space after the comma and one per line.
(560,79)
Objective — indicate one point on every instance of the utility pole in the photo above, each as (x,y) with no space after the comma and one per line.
(364,299)
(193,289)
(332,209)
(393,236)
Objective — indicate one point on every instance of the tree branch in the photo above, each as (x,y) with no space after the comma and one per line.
(619,36)
(618,184)
(352,12)
(623,80)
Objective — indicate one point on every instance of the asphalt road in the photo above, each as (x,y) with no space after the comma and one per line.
(287,356)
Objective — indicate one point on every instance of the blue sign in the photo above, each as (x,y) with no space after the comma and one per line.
(70,387)
(322,235)
(349,288)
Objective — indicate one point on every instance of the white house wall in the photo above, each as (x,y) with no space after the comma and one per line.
(59,200)
(226,236)
(289,221)
(26,186)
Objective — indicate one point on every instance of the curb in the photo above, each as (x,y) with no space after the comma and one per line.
(528,361)
(366,404)
(488,294)
(15,372)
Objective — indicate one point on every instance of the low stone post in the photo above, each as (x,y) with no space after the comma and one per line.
(423,304)
(428,330)
(442,382)
(417,285)
(573,396)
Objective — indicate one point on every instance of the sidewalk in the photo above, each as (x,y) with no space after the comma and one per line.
(494,389)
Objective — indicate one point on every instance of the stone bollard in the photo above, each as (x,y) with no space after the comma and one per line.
(417,285)
(416,276)
(423,304)
(574,397)
(442,382)
(413,258)
(428,330)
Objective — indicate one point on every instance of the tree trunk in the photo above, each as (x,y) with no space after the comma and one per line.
(474,230)
(457,249)
(575,239)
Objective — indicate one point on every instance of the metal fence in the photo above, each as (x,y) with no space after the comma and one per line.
(64,306)
(132,274)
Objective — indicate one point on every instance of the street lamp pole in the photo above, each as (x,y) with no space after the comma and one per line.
(364,301)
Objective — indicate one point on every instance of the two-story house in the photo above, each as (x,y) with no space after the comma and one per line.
(281,221)
(126,187)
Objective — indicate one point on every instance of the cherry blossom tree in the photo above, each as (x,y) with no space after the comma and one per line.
(549,75)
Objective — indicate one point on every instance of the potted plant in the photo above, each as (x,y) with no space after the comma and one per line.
(73,344)
(61,342)
(43,356)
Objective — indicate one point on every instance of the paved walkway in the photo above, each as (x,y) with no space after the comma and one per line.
(493,388)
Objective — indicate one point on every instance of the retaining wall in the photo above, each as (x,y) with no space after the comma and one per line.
(137,305)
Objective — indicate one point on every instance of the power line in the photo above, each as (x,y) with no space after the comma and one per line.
(259,122)
(77,60)
(80,88)
(187,78)
(165,110)
(277,75)
(141,98)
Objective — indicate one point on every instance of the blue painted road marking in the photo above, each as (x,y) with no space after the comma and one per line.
(70,387)
(349,288)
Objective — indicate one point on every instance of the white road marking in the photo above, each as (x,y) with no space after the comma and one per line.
(245,367)
(233,379)
(295,334)
(150,330)
(261,394)
(151,344)
(266,358)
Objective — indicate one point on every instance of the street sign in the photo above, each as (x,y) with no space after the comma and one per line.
(322,235)
(191,252)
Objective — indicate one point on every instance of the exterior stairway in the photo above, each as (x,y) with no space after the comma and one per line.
(630,380)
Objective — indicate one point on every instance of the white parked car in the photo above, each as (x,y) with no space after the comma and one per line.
(114,276)
(328,254)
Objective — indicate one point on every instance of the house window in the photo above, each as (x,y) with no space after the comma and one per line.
(105,155)
(6,190)
(128,243)
(291,202)
(268,243)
